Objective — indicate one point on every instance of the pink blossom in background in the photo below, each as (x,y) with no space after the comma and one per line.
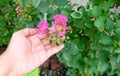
(43,27)
(60,24)
(18,8)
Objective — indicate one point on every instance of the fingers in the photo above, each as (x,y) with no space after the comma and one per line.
(27,32)
(54,50)
(45,42)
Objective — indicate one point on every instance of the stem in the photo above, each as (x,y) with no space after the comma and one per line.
(45,16)
(106,33)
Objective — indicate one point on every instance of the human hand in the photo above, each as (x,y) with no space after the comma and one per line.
(28,51)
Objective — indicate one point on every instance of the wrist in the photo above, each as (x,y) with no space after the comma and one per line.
(7,66)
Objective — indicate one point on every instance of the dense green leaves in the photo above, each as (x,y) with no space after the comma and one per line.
(4,2)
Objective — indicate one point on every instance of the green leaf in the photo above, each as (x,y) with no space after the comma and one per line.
(60,2)
(95,2)
(96,11)
(35,2)
(65,13)
(99,24)
(25,2)
(118,58)
(103,66)
(113,60)
(118,24)
(117,50)
(105,40)
(85,13)
(117,33)
(102,55)
(118,73)
(94,46)
(93,65)
(76,15)
(4,2)
(82,44)
(30,25)
(79,23)
(110,24)
(111,2)
(72,72)
(89,24)
(107,4)
(43,6)
(88,32)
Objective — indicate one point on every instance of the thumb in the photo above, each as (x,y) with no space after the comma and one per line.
(27,32)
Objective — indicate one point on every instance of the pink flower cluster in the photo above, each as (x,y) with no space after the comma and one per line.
(42,28)
(60,24)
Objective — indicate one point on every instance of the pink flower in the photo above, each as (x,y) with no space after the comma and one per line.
(18,8)
(54,27)
(43,24)
(60,24)
(43,27)
(62,34)
(60,29)
(37,31)
(60,19)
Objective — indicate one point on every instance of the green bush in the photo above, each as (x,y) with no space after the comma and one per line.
(92,49)
(6,21)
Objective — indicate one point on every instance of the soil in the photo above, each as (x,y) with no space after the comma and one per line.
(51,66)
(55,66)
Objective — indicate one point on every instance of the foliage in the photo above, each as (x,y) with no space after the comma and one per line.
(93,48)
(35,72)
(6,24)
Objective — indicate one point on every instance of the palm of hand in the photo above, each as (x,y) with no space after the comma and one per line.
(31,52)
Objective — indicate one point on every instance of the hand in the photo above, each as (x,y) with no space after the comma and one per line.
(28,51)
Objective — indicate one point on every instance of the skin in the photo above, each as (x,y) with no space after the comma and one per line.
(26,51)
